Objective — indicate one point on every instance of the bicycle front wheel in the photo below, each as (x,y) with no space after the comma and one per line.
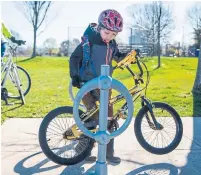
(167,136)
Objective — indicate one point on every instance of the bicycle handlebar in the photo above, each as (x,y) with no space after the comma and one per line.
(14,46)
(22,42)
(131,58)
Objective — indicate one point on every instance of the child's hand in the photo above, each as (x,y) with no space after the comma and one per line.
(76,81)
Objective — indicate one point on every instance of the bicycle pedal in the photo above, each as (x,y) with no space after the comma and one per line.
(124,117)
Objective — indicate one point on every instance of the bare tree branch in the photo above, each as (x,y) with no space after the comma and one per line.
(158,20)
(47,24)
(35,12)
(194,15)
(46,9)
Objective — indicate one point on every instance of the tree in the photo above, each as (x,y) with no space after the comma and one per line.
(36,12)
(197,89)
(50,44)
(163,18)
(194,14)
(75,42)
(141,24)
(156,19)
(64,47)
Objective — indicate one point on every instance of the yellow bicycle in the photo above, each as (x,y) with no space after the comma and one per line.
(158,127)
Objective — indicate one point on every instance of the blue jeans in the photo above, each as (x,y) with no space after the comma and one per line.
(3,49)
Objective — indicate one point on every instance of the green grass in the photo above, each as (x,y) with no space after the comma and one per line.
(172,83)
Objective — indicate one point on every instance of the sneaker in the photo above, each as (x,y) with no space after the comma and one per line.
(113,159)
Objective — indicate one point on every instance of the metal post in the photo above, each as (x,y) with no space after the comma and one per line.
(105,84)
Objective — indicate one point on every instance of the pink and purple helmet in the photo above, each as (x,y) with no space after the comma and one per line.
(111,20)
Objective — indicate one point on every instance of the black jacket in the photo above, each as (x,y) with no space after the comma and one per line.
(98,51)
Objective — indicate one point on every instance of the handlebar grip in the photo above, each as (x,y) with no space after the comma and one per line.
(21,42)
(138,51)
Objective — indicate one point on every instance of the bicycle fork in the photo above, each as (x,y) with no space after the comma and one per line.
(18,83)
(155,125)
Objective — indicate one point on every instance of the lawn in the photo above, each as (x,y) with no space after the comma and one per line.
(172,83)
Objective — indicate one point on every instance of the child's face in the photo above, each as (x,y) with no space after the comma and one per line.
(107,35)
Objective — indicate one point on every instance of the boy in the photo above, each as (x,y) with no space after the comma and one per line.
(102,49)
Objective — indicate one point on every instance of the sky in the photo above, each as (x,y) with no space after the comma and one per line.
(69,19)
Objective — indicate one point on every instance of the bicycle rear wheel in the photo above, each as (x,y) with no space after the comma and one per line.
(11,84)
(56,138)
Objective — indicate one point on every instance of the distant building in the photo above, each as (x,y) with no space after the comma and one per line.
(137,38)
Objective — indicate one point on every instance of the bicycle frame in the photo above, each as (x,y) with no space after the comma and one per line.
(135,92)
(7,67)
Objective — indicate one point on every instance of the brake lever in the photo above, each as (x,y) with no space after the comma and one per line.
(141,80)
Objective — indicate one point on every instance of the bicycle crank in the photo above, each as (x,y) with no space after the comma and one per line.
(73,133)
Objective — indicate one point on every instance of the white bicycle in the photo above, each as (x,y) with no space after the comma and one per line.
(15,81)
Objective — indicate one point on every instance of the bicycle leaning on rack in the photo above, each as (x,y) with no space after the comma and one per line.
(158,126)
(15,81)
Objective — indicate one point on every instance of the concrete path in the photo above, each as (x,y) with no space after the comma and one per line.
(21,153)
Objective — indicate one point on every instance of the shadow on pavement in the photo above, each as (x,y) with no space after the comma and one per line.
(22,170)
(155,169)
(193,163)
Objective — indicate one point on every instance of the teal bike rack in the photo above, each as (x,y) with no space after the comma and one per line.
(104,82)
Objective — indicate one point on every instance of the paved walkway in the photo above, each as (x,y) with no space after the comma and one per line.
(21,154)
